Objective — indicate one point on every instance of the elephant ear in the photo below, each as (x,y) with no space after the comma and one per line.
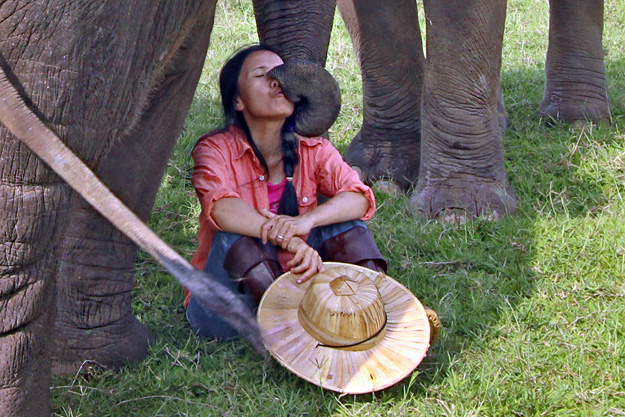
(314,91)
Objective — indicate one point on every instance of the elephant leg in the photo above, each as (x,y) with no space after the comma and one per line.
(96,270)
(462,162)
(297,29)
(33,213)
(28,255)
(576,87)
(86,71)
(388,45)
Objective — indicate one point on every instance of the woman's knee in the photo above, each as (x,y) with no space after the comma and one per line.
(254,265)
(356,246)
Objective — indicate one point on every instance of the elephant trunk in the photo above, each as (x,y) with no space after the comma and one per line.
(276,21)
(314,91)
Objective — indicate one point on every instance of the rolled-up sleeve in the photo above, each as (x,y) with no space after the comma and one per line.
(211,178)
(336,176)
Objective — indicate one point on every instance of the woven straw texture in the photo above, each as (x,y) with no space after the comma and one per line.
(396,352)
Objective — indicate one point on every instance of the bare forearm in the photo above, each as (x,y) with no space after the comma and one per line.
(236,216)
(342,207)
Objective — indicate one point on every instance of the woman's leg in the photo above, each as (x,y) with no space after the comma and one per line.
(349,242)
(253,265)
(229,254)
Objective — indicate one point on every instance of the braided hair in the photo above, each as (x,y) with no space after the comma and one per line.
(229,86)
(288,203)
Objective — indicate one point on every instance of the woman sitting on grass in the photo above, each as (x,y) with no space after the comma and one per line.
(258,184)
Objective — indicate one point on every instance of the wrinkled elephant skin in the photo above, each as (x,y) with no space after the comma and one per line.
(462,162)
(96,268)
(74,65)
(438,124)
(388,45)
(576,87)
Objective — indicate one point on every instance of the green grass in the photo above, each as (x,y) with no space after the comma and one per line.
(533,306)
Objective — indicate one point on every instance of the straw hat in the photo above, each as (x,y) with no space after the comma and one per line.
(348,329)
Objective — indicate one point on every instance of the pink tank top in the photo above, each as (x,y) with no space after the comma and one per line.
(275,192)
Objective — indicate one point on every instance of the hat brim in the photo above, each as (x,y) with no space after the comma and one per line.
(394,357)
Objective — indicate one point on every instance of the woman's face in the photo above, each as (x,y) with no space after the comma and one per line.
(261,97)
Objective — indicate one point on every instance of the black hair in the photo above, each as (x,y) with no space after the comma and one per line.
(229,86)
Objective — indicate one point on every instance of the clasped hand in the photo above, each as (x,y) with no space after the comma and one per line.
(287,232)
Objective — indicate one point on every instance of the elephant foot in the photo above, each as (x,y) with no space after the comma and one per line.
(386,155)
(109,347)
(571,110)
(460,200)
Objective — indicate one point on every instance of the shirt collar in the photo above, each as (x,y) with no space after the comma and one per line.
(310,142)
(241,144)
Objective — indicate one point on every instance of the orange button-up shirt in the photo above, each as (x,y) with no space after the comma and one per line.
(225,166)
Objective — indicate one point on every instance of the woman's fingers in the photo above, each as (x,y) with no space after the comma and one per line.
(264,230)
(268,214)
(282,231)
(285,234)
(272,229)
(295,262)
(306,262)
(309,273)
